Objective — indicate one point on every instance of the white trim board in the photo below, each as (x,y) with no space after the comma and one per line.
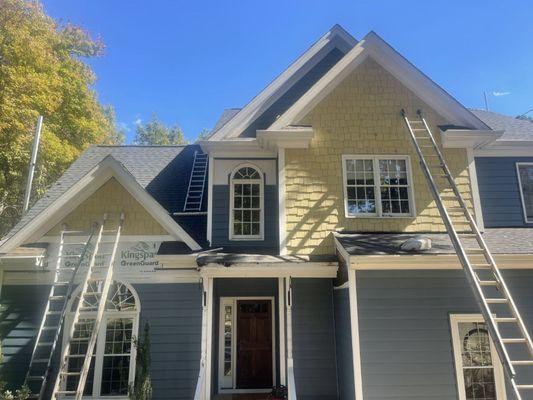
(277,270)
(106,169)
(520,188)
(474,188)
(499,379)
(375,47)
(335,37)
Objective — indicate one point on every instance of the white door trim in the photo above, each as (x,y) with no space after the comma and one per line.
(234,300)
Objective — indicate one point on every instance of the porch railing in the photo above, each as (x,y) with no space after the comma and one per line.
(199,392)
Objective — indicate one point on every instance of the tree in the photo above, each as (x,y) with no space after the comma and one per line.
(155,133)
(42,72)
(203,135)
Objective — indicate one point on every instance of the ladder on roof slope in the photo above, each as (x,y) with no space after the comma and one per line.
(195,191)
(76,357)
(55,309)
(499,310)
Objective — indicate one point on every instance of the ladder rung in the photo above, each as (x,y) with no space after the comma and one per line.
(92,293)
(456,209)
(50,328)
(35,377)
(418,129)
(481,266)
(488,283)
(66,392)
(66,269)
(75,233)
(75,356)
(75,244)
(472,235)
(61,283)
(70,256)
(514,340)
(53,313)
(422,137)
(40,360)
(70,373)
(57,297)
(497,301)
(524,387)
(522,362)
(505,320)
(475,251)
(45,344)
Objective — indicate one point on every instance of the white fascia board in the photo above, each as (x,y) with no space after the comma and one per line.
(108,168)
(298,138)
(238,147)
(265,270)
(335,37)
(376,48)
(468,138)
(506,148)
(433,261)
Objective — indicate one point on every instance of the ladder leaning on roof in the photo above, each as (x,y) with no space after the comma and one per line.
(56,308)
(195,190)
(84,329)
(492,294)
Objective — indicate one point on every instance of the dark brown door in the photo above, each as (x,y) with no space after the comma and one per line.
(254,344)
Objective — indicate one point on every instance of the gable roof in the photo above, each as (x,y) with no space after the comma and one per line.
(375,47)
(514,129)
(162,172)
(335,39)
(224,118)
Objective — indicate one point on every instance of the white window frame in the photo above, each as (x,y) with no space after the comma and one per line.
(100,343)
(377,192)
(223,380)
(499,379)
(261,182)
(522,197)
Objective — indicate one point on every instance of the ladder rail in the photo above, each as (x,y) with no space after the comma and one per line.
(190,181)
(63,311)
(471,275)
(195,176)
(75,320)
(482,243)
(99,314)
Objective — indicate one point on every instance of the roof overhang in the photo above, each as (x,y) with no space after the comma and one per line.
(289,138)
(335,37)
(250,146)
(106,169)
(468,138)
(23,257)
(271,270)
(376,48)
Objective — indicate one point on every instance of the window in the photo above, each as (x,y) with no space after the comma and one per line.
(478,369)
(525,180)
(377,186)
(113,363)
(246,211)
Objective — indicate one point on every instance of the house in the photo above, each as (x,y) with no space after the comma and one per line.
(299,245)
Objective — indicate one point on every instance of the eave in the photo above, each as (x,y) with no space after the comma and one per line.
(468,138)
(289,138)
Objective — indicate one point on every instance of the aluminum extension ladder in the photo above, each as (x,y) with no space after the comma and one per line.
(195,191)
(498,308)
(84,328)
(56,309)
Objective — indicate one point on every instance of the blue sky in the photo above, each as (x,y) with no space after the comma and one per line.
(188,60)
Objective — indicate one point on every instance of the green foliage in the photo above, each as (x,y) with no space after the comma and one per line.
(155,133)
(142,386)
(203,135)
(42,72)
(19,394)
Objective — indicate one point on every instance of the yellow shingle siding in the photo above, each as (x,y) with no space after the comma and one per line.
(361,116)
(112,198)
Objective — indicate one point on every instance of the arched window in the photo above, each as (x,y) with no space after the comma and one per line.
(246,211)
(113,366)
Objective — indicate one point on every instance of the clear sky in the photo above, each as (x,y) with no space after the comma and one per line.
(188,60)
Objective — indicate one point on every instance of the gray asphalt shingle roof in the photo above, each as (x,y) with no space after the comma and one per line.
(499,241)
(515,129)
(226,116)
(162,170)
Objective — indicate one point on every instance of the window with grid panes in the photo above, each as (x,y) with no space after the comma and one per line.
(377,186)
(246,204)
(109,374)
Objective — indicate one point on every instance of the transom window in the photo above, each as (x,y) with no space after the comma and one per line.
(113,366)
(479,372)
(246,212)
(377,186)
(525,179)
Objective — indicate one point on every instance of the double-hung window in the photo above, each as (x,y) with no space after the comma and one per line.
(477,366)
(246,199)
(377,186)
(525,180)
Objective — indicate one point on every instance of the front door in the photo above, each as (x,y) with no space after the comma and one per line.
(254,344)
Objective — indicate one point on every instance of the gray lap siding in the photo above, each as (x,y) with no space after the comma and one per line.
(174,312)
(315,367)
(343,344)
(499,191)
(404,329)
